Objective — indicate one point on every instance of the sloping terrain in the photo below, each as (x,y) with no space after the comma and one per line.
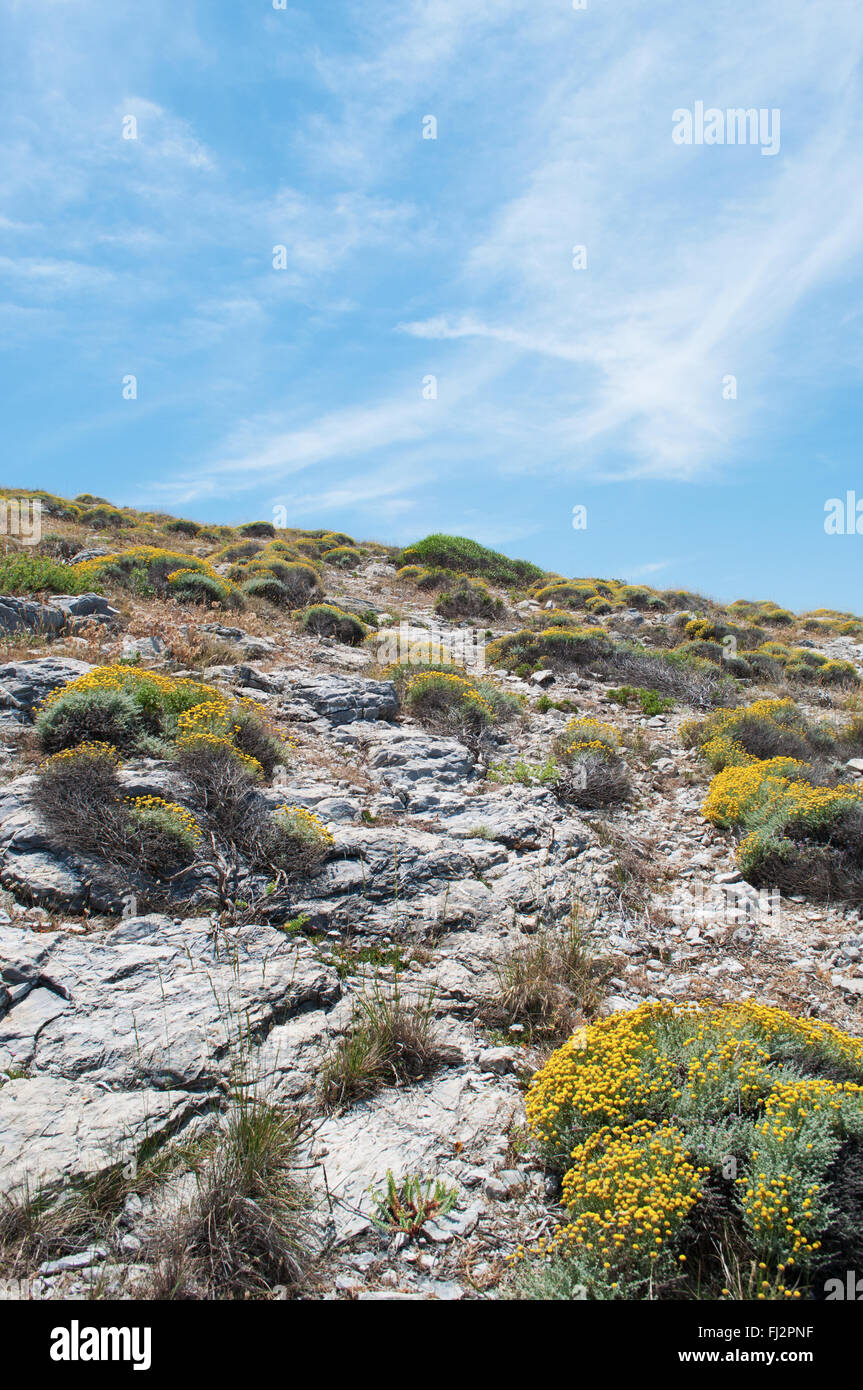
(325,830)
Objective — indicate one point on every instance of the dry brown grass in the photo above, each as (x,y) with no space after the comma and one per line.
(550,981)
(250,1226)
(392,1039)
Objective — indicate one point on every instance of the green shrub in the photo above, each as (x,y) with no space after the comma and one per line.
(435,579)
(191,586)
(568,595)
(183,527)
(468,557)
(448,701)
(100,518)
(237,550)
(257,528)
(651,702)
(90,716)
(268,587)
(342,555)
(34,574)
(161,835)
(555,647)
(468,600)
(328,621)
(156,564)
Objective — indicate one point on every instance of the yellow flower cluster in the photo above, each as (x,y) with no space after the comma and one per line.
(611,1072)
(144,557)
(770,786)
(591,730)
(721,751)
(457,686)
(185,820)
(726,723)
(628,1192)
(631,1179)
(202,739)
(589,735)
(586,745)
(303,823)
(131,678)
(781,1028)
(211,716)
(91,749)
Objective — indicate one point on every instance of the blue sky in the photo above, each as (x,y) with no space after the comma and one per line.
(408,258)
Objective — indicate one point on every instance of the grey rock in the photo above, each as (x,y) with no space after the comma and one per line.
(454,1225)
(82,1260)
(346,699)
(148,648)
(405,1131)
(26,615)
(495,1190)
(143,1038)
(24,684)
(847,983)
(247,645)
(94,553)
(85,606)
(498,1059)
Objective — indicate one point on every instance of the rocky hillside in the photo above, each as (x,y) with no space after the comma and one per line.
(324,868)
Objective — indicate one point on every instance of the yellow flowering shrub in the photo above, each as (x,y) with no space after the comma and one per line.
(169,812)
(447,696)
(585,733)
(661,1118)
(154,705)
(627,1195)
(305,825)
(92,750)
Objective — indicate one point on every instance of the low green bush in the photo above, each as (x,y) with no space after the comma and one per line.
(326,620)
(34,574)
(469,557)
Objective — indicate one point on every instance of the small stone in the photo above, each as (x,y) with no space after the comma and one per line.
(92,1255)
(495,1190)
(497,1059)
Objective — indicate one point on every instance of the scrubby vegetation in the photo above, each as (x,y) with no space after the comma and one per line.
(591,772)
(705,1152)
(36,574)
(220,749)
(326,620)
(451,701)
(391,1039)
(468,557)
(779,783)
(549,981)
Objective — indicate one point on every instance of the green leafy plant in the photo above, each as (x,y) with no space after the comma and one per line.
(407,1205)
